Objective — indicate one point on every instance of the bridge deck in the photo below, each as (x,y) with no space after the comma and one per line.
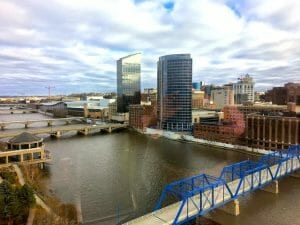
(200,194)
(42,120)
(53,129)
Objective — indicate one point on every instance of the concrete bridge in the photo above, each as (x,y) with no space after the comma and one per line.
(17,111)
(58,131)
(203,193)
(14,105)
(48,122)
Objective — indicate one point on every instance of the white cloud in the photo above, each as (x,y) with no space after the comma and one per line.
(76,43)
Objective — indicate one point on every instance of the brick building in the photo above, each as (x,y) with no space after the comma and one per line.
(233,115)
(282,95)
(142,116)
(230,130)
(227,133)
(272,132)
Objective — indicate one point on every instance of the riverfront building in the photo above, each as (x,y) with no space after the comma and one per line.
(98,108)
(174,92)
(128,82)
(24,148)
(226,133)
(142,116)
(229,130)
(58,109)
(272,132)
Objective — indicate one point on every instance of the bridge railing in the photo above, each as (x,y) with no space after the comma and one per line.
(202,193)
(182,188)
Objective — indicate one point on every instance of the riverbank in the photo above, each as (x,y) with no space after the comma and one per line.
(55,212)
(190,139)
(47,209)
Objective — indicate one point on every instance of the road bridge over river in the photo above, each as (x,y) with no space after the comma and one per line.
(203,193)
(57,131)
(17,111)
(46,122)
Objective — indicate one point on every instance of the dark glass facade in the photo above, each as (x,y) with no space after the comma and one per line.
(128,82)
(174,92)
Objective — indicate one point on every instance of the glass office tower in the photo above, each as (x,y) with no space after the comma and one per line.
(174,92)
(128,81)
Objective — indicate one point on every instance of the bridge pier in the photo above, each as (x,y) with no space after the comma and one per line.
(56,134)
(84,132)
(2,127)
(27,124)
(49,123)
(109,130)
(272,187)
(232,208)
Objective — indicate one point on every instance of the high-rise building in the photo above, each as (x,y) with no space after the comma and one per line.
(174,92)
(244,90)
(128,82)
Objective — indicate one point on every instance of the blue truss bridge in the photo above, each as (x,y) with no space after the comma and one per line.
(200,194)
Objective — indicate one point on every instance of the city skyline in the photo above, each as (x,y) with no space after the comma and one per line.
(73,45)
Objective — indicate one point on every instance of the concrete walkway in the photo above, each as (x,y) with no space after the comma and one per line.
(19,174)
(31,216)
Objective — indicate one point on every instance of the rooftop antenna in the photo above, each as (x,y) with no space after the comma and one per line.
(49,92)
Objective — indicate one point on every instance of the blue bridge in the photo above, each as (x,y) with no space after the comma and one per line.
(200,194)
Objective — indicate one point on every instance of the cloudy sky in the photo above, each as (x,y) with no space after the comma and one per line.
(73,44)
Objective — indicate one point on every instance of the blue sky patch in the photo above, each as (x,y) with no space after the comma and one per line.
(169,5)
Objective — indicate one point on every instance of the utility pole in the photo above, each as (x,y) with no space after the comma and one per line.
(49,92)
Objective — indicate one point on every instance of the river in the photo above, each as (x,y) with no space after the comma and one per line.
(118,176)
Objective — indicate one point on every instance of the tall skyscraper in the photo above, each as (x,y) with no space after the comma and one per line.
(244,90)
(174,92)
(128,82)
